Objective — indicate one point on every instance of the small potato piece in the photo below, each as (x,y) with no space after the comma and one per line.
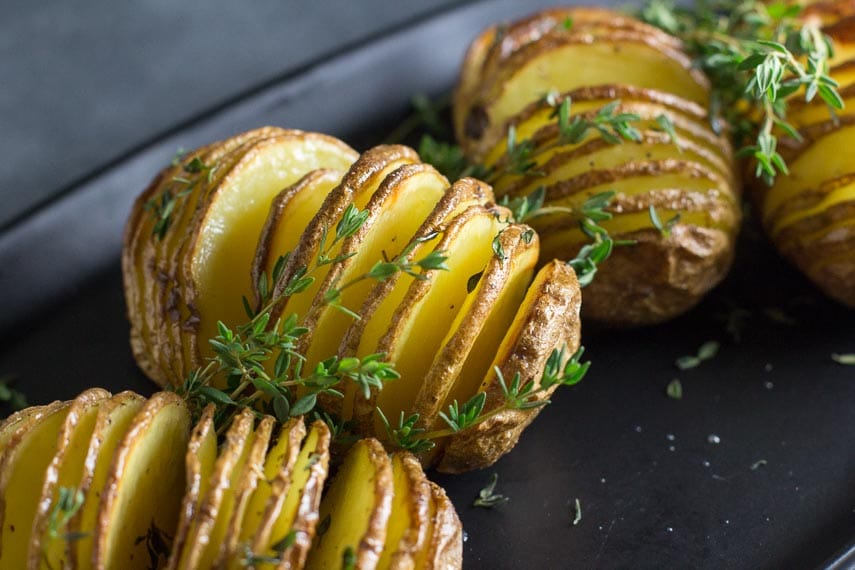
(358,502)
(23,464)
(409,523)
(142,494)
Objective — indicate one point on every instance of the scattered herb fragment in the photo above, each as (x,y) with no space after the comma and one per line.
(757,464)
(674,390)
(664,229)
(845,359)
(487,497)
(707,351)
(348,559)
(577,518)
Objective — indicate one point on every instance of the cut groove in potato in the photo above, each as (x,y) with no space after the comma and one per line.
(64,471)
(430,306)
(358,502)
(199,465)
(295,509)
(23,463)
(114,418)
(548,314)
(202,541)
(142,495)
(408,528)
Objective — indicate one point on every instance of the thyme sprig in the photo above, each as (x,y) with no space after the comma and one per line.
(517,395)
(756,55)
(487,497)
(162,206)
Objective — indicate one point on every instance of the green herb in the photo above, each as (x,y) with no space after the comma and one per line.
(252,559)
(448,159)
(69,501)
(753,54)
(846,359)
(324,525)
(348,559)
(577,518)
(707,351)
(487,497)
(162,206)
(567,24)
(664,229)
(15,398)
(427,116)
(757,464)
(674,389)
(667,126)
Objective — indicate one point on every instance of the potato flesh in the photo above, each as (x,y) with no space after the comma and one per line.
(24,463)
(353,505)
(397,221)
(838,196)
(830,157)
(429,320)
(148,484)
(401,520)
(638,65)
(229,235)
(69,470)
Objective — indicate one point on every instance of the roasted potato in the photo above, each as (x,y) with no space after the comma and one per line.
(591,62)
(441,328)
(162,494)
(809,213)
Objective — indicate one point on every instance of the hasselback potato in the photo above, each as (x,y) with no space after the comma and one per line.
(524,93)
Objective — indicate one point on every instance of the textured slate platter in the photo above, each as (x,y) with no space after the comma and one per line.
(777,491)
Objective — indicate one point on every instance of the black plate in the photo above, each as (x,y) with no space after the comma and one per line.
(778,490)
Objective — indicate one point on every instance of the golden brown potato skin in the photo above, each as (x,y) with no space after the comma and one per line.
(665,273)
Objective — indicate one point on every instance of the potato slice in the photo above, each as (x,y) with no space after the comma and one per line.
(142,495)
(204,537)
(357,187)
(23,465)
(291,212)
(114,418)
(423,318)
(253,471)
(294,509)
(224,240)
(199,465)
(358,504)
(468,349)
(272,486)
(548,319)
(12,422)
(409,523)
(363,335)
(64,471)
(444,547)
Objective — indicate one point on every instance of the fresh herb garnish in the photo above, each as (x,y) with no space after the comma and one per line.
(69,501)
(846,359)
(707,351)
(162,207)
(487,497)
(348,559)
(674,390)
(577,517)
(664,229)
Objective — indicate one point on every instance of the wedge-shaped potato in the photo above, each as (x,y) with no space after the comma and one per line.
(409,523)
(203,540)
(224,239)
(114,419)
(23,464)
(358,504)
(468,349)
(395,211)
(292,512)
(64,471)
(356,188)
(199,465)
(423,318)
(142,495)
(547,318)
(444,547)
(272,486)
(253,471)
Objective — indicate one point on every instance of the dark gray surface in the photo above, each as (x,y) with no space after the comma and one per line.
(84,82)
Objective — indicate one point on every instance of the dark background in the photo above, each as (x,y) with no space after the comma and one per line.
(95,97)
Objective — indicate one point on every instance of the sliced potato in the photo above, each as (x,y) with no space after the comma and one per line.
(547,317)
(203,539)
(12,422)
(23,464)
(272,486)
(358,504)
(445,544)
(468,349)
(64,471)
(253,471)
(199,465)
(409,523)
(293,511)
(142,495)
(114,419)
